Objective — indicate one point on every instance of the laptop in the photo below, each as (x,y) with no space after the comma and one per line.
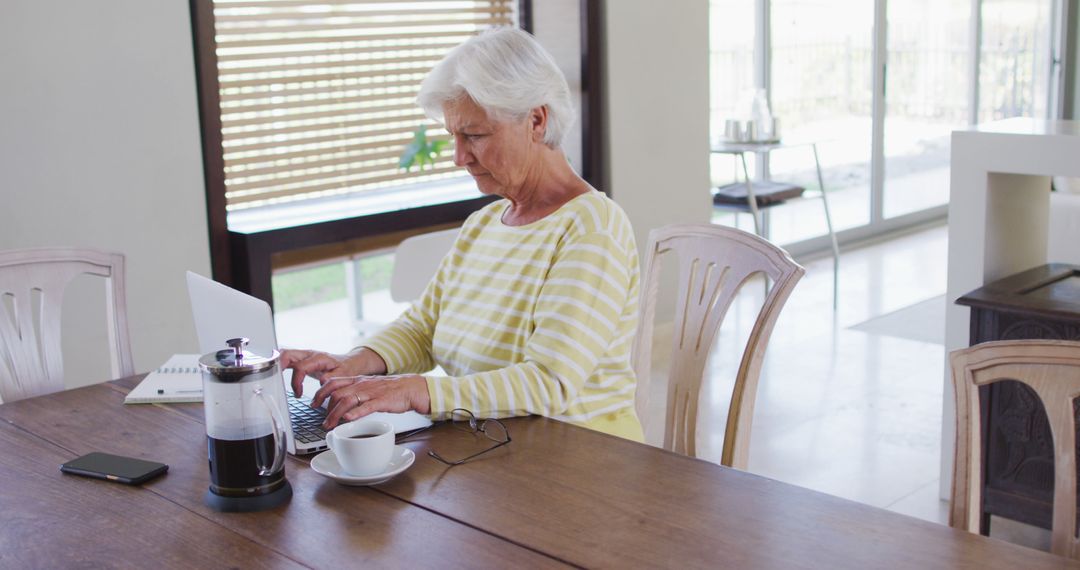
(221,313)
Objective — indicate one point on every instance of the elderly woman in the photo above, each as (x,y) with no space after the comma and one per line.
(534,309)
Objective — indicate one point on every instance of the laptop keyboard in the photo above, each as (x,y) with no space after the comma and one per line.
(306,421)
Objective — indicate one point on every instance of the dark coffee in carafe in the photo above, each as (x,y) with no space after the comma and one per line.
(233,466)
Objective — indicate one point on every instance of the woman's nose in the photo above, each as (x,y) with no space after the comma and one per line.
(462,156)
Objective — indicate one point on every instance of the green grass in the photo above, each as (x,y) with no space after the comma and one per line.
(327,282)
(375,271)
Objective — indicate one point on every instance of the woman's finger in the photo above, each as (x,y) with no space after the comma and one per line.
(339,408)
(343,392)
(390,396)
(288,360)
(366,390)
(369,394)
(314,363)
(291,355)
(362,410)
(327,391)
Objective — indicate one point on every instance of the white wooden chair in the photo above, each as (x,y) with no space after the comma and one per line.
(32,284)
(415,262)
(714,263)
(1051,368)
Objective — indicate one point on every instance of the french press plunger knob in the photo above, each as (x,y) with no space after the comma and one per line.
(238,344)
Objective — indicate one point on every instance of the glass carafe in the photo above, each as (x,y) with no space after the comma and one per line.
(244,429)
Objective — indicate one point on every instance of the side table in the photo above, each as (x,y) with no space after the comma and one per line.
(741,149)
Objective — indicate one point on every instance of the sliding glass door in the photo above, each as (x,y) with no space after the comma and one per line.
(822,90)
(927,94)
(880,85)
(1014,67)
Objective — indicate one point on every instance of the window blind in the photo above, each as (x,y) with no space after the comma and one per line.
(317,98)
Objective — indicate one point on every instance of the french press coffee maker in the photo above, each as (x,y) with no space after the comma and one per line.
(245,430)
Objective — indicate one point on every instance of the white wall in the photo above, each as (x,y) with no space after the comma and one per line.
(658,111)
(99,147)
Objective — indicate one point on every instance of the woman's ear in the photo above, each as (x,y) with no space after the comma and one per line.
(538,118)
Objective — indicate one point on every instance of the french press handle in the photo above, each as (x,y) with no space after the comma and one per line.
(280,449)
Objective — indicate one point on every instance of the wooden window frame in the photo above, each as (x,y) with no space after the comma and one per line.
(245,261)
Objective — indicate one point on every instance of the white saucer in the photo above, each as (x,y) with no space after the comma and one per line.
(326,464)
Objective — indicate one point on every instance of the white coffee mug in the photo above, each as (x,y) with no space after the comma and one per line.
(363,447)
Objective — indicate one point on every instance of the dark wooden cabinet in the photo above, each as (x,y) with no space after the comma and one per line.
(1018,474)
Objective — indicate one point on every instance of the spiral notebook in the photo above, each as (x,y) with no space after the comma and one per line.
(176,381)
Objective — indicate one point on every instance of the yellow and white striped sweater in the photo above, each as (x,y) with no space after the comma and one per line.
(532,319)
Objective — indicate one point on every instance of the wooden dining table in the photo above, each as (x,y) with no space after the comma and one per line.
(558,495)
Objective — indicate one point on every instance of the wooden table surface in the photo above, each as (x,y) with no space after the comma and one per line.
(558,495)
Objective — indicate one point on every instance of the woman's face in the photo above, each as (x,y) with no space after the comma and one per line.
(498,155)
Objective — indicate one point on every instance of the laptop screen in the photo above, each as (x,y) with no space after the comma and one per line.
(222,313)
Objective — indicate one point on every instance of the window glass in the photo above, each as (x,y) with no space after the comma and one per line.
(731,77)
(1014,61)
(333,305)
(822,73)
(926,98)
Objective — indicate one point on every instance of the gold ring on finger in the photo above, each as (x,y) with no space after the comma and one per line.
(359,402)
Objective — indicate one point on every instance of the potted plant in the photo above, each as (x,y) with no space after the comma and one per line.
(420,150)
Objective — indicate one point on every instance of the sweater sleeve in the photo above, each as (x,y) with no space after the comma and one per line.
(576,319)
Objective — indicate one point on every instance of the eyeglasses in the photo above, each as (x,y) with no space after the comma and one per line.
(491,428)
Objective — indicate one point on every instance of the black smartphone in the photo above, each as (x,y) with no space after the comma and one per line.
(127,470)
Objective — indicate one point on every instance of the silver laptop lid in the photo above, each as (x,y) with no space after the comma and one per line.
(222,313)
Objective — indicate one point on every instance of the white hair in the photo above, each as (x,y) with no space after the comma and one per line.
(508,74)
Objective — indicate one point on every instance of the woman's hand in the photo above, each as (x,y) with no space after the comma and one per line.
(353,398)
(323,366)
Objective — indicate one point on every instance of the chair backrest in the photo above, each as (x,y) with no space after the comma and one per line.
(32,284)
(714,263)
(415,262)
(1051,368)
